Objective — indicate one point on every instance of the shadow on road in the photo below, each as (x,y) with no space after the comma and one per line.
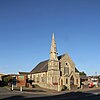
(27,90)
(66,96)
(18,97)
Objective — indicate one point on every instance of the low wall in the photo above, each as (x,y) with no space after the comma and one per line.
(84,86)
(48,86)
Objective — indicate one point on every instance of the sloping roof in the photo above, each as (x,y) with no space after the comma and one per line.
(23,72)
(59,57)
(1,74)
(83,77)
(43,66)
(76,70)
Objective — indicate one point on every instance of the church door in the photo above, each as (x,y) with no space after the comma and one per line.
(72,80)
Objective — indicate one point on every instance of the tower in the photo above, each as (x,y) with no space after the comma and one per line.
(53,64)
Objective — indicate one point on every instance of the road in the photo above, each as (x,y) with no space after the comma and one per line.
(6,94)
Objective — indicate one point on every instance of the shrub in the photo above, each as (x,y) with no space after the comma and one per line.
(35,86)
(7,79)
(64,87)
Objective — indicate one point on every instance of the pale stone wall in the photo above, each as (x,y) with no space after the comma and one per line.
(38,77)
(53,77)
(69,64)
(53,65)
(67,60)
(49,86)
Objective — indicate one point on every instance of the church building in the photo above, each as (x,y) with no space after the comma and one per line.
(56,72)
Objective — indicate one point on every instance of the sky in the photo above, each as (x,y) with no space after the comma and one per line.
(26,28)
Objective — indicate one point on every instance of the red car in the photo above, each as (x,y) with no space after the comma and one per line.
(91,85)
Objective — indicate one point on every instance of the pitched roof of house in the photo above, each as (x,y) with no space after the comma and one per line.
(1,74)
(23,73)
(76,70)
(83,77)
(43,66)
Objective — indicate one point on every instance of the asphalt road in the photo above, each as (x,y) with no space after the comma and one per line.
(6,94)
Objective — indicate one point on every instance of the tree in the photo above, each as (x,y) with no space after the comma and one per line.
(82,73)
(7,79)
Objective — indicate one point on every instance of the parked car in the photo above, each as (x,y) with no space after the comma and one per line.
(91,85)
(94,82)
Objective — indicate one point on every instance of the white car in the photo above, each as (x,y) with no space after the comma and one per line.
(94,81)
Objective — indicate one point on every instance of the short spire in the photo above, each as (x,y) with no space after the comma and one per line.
(53,50)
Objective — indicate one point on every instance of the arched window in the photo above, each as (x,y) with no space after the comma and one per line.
(66,69)
(72,80)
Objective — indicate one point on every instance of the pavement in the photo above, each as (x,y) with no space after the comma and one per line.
(36,91)
(41,92)
(51,92)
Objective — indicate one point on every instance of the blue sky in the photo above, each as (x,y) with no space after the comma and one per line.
(26,28)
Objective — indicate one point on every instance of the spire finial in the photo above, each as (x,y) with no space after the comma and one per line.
(53,35)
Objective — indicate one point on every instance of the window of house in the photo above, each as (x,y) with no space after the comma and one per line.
(60,65)
(66,81)
(60,73)
(77,81)
(66,69)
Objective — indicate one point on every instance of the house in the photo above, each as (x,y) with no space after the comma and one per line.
(1,76)
(15,79)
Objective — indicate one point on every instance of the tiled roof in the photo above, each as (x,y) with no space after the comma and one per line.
(83,77)
(23,72)
(43,66)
